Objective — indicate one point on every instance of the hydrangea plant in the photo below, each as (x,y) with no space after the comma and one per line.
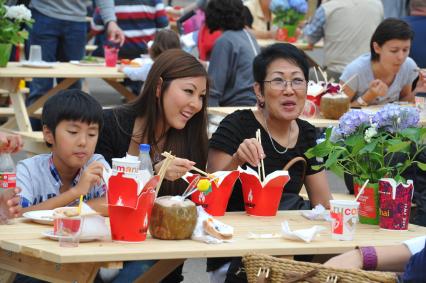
(288,12)
(12,22)
(373,146)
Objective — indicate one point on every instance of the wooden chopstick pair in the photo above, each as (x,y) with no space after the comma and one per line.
(168,155)
(261,167)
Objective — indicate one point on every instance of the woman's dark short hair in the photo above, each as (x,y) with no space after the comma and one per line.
(71,105)
(276,51)
(225,15)
(390,28)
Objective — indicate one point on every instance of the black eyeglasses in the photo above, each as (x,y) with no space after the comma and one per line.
(279,84)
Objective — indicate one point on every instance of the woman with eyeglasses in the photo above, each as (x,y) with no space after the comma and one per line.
(280,72)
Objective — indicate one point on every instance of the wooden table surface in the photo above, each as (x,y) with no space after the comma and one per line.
(60,70)
(318,122)
(26,238)
(25,250)
(299,44)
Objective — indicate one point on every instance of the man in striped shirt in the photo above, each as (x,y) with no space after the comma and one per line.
(139,19)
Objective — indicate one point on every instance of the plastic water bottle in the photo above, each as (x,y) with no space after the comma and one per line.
(7,172)
(145,159)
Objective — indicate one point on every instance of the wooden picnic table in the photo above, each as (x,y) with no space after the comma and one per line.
(14,72)
(299,44)
(25,250)
(318,121)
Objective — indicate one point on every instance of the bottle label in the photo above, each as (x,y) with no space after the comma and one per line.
(7,180)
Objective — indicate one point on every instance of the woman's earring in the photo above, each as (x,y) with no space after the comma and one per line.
(261,104)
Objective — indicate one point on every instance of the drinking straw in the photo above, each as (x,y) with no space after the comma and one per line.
(324,75)
(79,204)
(362,190)
(316,74)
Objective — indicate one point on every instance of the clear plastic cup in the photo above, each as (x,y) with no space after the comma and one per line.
(67,228)
(35,53)
(111,56)
(344,215)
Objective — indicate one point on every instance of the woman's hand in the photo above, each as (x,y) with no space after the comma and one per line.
(421,83)
(378,88)
(250,151)
(10,143)
(177,168)
(9,204)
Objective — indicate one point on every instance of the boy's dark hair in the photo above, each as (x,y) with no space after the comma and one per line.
(71,105)
(276,51)
(225,15)
(390,28)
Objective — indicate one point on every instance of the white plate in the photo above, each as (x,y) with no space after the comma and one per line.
(49,234)
(93,64)
(40,64)
(40,216)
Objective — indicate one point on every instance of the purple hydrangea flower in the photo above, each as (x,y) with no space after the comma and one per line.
(393,117)
(276,5)
(352,120)
(300,6)
(336,134)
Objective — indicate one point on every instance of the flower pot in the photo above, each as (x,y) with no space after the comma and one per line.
(5,50)
(395,204)
(287,33)
(368,202)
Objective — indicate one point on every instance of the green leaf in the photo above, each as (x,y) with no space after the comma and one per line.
(332,158)
(320,150)
(411,134)
(370,147)
(421,165)
(354,140)
(398,147)
(317,167)
(336,169)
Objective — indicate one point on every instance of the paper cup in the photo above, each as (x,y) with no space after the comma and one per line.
(395,204)
(125,165)
(344,215)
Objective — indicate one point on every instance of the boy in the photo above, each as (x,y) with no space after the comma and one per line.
(71,123)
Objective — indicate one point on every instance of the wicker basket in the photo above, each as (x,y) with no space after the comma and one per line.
(284,270)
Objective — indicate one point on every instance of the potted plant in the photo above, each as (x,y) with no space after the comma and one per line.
(13,20)
(287,15)
(371,147)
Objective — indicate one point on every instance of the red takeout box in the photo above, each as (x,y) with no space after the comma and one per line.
(262,198)
(216,201)
(129,213)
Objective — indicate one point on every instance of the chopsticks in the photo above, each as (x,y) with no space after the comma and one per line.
(261,167)
(162,172)
(210,176)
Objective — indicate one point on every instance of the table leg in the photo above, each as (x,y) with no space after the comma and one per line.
(159,270)
(22,113)
(121,89)
(7,276)
(47,270)
(18,104)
